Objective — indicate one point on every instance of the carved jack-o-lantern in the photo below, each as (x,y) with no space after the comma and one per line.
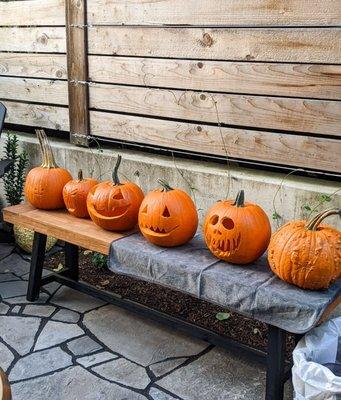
(114,205)
(75,194)
(168,217)
(237,232)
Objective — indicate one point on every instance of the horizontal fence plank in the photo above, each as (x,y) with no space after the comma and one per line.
(215,12)
(307,152)
(297,80)
(288,45)
(32,12)
(37,115)
(314,116)
(34,90)
(33,65)
(39,39)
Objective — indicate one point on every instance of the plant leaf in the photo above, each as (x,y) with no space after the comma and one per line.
(222,316)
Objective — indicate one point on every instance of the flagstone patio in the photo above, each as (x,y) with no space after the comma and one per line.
(72,346)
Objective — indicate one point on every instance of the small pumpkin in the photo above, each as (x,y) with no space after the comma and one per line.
(44,185)
(307,254)
(114,206)
(75,193)
(236,231)
(168,217)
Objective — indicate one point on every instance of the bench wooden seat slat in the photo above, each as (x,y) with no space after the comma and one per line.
(62,225)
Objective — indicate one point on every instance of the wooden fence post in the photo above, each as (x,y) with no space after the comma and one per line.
(77,65)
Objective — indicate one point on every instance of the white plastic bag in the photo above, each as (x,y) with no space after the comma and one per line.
(311,379)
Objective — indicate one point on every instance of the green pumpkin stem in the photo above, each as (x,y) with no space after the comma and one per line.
(239,202)
(314,223)
(80,175)
(165,185)
(115,177)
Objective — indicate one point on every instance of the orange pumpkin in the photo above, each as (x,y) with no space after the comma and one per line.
(236,231)
(168,216)
(75,194)
(307,255)
(114,206)
(44,185)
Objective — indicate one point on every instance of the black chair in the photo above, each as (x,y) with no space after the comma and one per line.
(4,164)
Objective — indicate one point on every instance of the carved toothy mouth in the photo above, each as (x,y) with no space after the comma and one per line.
(229,246)
(148,229)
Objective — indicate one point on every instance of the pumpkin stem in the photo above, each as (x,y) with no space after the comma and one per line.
(239,202)
(49,161)
(115,177)
(314,223)
(80,175)
(165,185)
(42,148)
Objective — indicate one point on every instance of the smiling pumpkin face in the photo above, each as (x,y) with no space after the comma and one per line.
(237,232)
(168,217)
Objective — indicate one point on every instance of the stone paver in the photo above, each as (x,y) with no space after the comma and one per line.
(5,277)
(138,339)
(22,299)
(164,367)
(83,345)
(14,264)
(75,300)
(5,250)
(39,363)
(3,308)
(74,383)
(39,310)
(93,359)
(13,289)
(19,332)
(157,394)
(65,315)
(15,310)
(125,372)
(55,333)
(6,357)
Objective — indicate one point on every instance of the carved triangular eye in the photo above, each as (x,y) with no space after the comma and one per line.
(118,195)
(145,210)
(166,212)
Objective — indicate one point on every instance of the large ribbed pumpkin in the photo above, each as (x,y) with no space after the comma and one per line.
(44,185)
(114,206)
(168,217)
(307,255)
(236,231)
(75,194)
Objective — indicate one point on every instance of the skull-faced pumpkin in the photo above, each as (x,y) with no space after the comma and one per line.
(75,194)
(236,231)
(114,206)
(168,216)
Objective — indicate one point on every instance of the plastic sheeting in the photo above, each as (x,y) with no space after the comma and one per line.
(250,290)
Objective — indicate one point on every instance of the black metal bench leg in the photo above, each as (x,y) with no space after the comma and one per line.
(71,261)
(37,262)
(275,363)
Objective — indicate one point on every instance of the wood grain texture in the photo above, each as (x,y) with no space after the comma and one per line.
(33,65)
(38,39)
(77,62)
(297,80)
(37,115)
(32,12)
(289,45)
(62,225)
(215,12)
(5,389)
(313,116)
(33,90)
(305,151)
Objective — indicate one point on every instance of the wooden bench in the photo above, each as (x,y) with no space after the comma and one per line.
(5,390)
(83,233)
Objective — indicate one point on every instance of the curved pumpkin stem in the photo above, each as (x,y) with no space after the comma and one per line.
(115,177)
(165,185)
(42,148)
(239,202)
(80,175)
(48,157)
(314,223)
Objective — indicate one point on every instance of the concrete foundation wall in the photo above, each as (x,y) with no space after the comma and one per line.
(209,181)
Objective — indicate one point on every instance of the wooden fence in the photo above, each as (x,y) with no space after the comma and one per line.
(256,80)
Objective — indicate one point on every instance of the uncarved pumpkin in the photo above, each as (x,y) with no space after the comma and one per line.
(114,206)
(44,185)
(75,193)
(168,217)
(307,255)
(236,231)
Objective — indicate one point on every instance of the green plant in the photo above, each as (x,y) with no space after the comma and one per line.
(100,260)
(14,179)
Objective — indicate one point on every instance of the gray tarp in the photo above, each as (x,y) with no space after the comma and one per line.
(251,290)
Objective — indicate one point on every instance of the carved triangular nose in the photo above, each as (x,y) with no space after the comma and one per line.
(217,232)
